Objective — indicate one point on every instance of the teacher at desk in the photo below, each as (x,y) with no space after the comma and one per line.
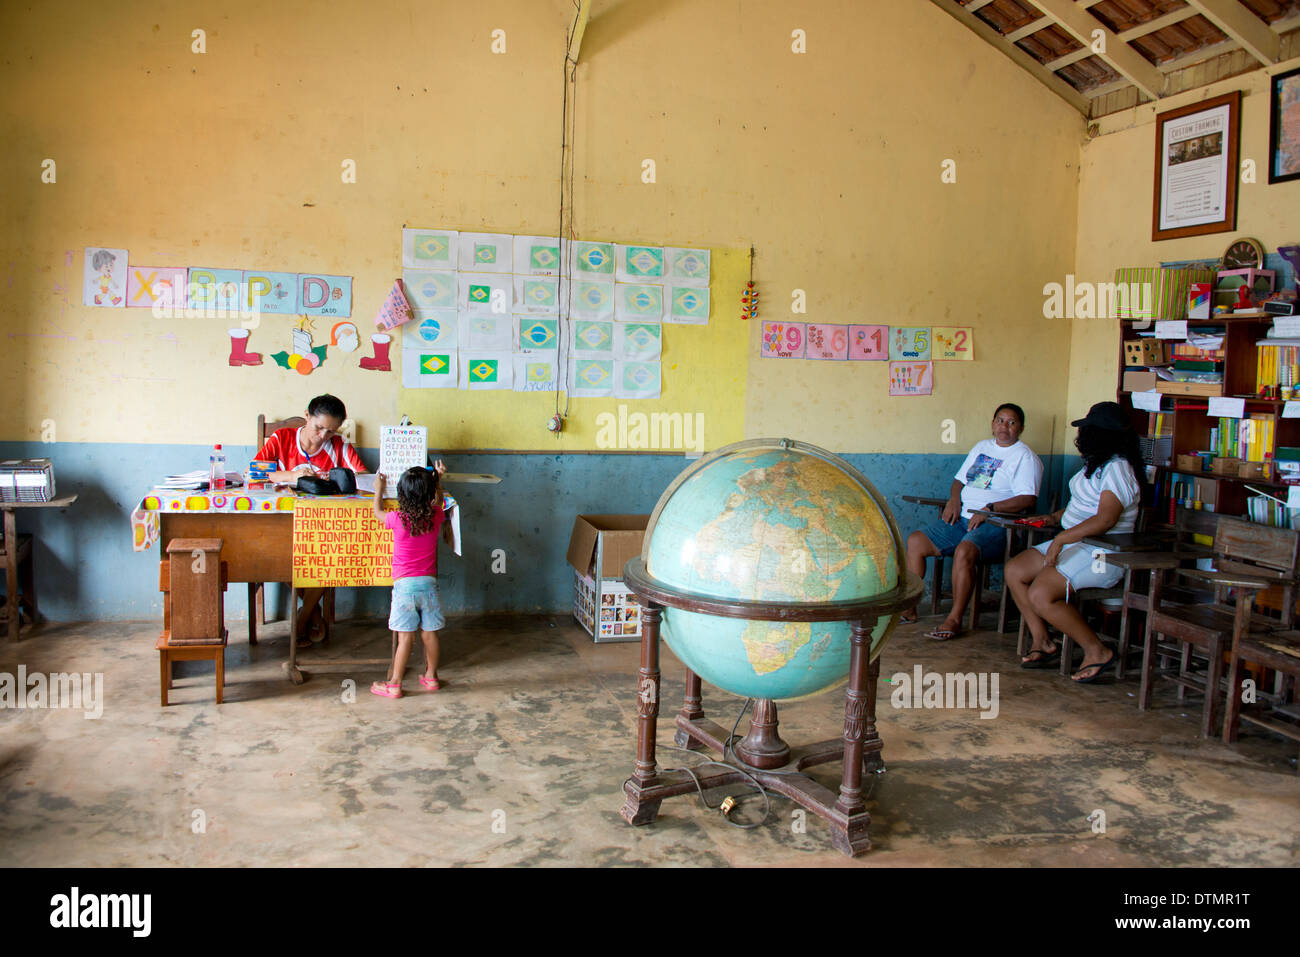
(312,449)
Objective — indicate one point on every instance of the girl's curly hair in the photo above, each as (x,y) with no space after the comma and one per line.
(418,494)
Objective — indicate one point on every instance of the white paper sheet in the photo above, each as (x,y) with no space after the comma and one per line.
(1226,407)
(428,368)
(638,302)
(536,334)
(686,267)
(1291,410)
(590,299)
(591,378)
(435,330)
(638,341)
(429,290)
(1148,401)
(537,295)
(485,333)
(537,256)
(639,263)
(1171,329)
(430,248)
(536,373)
(487,252)
(486,371)
(589,339)
(483,293)
(636,380)
(687,305)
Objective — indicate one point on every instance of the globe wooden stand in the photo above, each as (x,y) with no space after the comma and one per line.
(770,760)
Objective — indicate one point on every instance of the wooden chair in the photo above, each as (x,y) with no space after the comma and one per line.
(1192,539)
(1248,558)
(982,569)
(256,590)
(1279,651)
(193,582)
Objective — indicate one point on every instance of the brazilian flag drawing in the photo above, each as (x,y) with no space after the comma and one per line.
(484,370)
(432,246)
(485,253)
(544,257)
(539,372)
(480,294)
(435,365)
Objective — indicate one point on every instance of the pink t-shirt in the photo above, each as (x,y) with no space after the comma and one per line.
(414,556)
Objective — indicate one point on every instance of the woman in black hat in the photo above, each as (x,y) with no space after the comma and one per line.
(1104,498)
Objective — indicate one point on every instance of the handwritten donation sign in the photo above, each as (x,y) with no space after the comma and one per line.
(402,447)
(338,543)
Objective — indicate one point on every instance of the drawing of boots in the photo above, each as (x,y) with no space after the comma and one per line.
(239,354)
(379,362)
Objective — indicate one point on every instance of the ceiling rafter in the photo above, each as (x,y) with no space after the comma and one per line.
(1126,61)
(1018,56)
(1248,30)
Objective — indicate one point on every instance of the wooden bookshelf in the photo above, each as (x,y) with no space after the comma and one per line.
(1191,420)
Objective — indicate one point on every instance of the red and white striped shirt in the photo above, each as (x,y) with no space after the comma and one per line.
(285,448)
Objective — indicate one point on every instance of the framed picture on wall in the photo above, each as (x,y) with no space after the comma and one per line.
(1196,169)
(1284,128)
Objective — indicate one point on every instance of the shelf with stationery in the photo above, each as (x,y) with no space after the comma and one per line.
(1234,358)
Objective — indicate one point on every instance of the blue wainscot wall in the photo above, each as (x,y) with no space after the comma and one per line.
(86,570)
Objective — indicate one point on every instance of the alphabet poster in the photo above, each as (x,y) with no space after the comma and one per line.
(402,447)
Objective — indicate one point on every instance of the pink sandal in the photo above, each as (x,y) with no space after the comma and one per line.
(429,684)
(386,689)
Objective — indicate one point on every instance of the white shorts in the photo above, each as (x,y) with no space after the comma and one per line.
(1084,566)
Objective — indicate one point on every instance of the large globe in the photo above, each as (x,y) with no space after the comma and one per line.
(780,521)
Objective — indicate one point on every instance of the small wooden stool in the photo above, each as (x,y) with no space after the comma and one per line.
(193,581)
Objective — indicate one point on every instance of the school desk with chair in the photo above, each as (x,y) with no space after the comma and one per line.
(256,527)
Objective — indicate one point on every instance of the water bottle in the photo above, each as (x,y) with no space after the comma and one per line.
(217,469)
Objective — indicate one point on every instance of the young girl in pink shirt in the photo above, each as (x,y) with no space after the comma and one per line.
(415,606)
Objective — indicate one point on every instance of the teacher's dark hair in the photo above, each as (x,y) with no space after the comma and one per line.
(1020,413)
(327,404)
(1098,446)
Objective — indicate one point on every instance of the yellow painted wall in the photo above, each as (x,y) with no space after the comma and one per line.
(1115,196)
(828,162)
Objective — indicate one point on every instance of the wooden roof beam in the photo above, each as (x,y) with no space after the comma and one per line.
(1014,53)
(1248,30)
(1081,25)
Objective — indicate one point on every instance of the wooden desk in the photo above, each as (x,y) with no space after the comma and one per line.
(1154,541)
(10,556)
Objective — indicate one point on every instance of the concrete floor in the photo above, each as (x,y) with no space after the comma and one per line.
(534,733)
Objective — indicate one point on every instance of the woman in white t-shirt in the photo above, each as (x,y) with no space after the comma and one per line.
(1105,496)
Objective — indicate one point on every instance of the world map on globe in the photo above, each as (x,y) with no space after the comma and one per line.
(779,524)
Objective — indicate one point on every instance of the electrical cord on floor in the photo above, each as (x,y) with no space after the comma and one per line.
(734,762)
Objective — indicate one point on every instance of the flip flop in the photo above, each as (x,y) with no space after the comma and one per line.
(386,689)
(1101,668)
(942,634)
(1045,659)
(904,620)
(429,684)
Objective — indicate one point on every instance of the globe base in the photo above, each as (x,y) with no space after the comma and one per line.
(762,747)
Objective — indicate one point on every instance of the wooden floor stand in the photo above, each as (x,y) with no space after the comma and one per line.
(857,748)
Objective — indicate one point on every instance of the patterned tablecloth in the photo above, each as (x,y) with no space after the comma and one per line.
(145,524)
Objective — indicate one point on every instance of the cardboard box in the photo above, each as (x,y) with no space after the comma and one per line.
(599,547)
(1139,381)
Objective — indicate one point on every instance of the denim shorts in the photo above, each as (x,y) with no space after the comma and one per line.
(990,539)
(415,605)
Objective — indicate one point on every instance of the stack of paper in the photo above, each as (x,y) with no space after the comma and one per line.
(198,479)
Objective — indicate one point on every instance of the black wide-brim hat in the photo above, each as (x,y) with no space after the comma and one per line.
(1105,415)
